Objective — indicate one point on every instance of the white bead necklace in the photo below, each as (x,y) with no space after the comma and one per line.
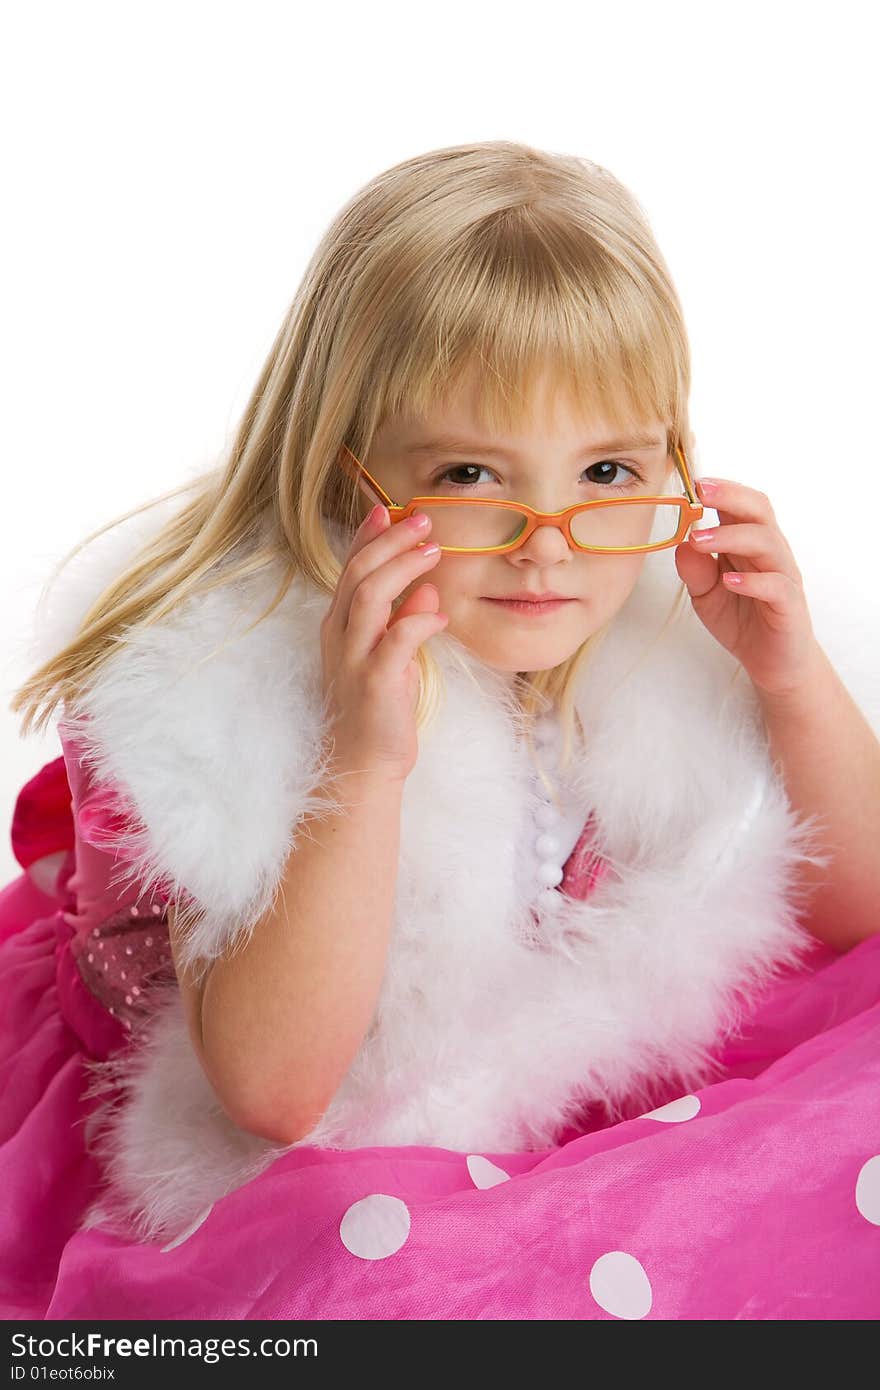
(557,831)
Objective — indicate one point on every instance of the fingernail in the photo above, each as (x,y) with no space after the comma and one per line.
(708,486)
(376,515)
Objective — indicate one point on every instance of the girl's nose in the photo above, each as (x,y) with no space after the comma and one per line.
(546,543)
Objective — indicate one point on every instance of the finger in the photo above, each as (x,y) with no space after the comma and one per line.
(763,545)
(370,551)
(781,594)
(378,523)
(699,573)
(372,600)
(424,599)
(401,642)
(373,524)
(734,501)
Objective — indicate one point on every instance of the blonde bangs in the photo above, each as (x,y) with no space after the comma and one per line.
(523,300)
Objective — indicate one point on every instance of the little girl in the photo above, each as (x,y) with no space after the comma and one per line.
(435,909)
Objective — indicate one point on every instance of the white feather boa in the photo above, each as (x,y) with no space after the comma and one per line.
(483,1039)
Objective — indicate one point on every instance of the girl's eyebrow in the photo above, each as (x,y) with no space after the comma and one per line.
(453,443)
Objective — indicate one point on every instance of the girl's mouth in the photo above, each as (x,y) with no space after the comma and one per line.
(530,610)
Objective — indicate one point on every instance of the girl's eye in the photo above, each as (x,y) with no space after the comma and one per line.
(613,482)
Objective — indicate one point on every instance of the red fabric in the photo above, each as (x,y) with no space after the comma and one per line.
(42,821)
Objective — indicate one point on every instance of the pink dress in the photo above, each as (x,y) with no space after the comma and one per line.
(756,1197)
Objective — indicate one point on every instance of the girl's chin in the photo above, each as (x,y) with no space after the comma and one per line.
(513,657)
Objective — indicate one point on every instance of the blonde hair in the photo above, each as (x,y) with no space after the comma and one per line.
(493,255)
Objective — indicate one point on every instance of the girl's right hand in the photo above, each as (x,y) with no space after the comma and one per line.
(368,658)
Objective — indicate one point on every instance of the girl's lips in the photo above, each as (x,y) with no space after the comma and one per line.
(530,610)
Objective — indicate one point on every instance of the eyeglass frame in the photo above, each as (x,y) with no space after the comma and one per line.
(690,511)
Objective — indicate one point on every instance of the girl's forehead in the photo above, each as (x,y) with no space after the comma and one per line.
(550,404)
(421,435)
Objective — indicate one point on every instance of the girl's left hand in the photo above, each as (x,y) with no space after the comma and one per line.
(751,598)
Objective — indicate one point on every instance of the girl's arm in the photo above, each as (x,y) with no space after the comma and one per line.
(752,600)
(281,1018)
(191,988)
(830,761)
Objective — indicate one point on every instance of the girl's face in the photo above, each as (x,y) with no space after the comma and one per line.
(555,461)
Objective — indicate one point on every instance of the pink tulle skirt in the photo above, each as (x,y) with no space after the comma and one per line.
(756,1197)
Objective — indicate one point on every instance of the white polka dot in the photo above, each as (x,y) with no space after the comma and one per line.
(375,1227)
(685,1108)
(620,1285)
(190,1230)
(483,1173)
(868,1190)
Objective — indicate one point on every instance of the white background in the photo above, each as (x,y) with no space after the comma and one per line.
(168,169)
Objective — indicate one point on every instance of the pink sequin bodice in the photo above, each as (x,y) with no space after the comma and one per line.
(119,938)
(585,868)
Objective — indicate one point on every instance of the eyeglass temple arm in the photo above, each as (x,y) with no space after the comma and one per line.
(681,464)
(360,473)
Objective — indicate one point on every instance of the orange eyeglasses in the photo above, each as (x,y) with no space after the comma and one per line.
(594,522)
